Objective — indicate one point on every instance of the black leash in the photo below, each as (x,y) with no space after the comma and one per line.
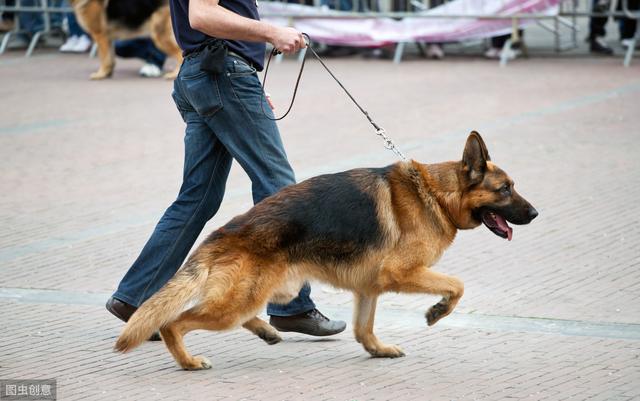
(388,143)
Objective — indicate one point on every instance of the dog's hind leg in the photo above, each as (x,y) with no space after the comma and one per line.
(230,299)
(173,335)
(263,330)
(365,310)
(201,317)
(424,280)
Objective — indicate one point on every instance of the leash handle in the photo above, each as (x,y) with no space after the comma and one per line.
(275,52)
(388,143)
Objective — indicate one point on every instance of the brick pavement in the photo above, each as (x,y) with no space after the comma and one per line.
(87,167)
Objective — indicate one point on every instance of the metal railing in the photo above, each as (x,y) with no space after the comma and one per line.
(45,8)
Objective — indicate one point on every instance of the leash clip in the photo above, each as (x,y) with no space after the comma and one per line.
(388,143)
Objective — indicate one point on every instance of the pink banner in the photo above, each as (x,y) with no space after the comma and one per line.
(374,32)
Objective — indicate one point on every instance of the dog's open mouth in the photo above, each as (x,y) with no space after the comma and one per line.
(497,224)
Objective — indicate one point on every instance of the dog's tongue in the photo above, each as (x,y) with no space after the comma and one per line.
(502,223)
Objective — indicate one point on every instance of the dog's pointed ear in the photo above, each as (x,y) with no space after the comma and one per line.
(475,157)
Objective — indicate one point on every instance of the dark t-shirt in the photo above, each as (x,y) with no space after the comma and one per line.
(190,39)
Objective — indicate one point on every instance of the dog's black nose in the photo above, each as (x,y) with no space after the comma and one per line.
(533,213)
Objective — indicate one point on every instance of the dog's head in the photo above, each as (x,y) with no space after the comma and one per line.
(488,194)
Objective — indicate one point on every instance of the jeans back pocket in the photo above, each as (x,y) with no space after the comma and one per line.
(202,92)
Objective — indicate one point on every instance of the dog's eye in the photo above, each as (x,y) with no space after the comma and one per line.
(506,190)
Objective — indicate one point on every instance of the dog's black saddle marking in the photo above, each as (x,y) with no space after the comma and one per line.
(327,219)
(334,220)
(132,14)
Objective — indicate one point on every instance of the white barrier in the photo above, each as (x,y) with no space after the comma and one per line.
(474,19)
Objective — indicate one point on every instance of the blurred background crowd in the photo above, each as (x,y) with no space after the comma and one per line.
(63,31)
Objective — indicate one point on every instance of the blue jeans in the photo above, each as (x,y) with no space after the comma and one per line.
(74,28)
(142,48)
(224,121)
(33,22)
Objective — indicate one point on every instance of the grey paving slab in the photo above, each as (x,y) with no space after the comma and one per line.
(86,168)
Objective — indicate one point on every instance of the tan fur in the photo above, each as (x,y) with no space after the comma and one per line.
(419,210)
(92,17)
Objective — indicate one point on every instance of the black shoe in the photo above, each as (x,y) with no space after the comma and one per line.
(119,309)
(312,323)
(123,311)
(598,45)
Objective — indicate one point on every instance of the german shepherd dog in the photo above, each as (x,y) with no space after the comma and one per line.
(369,231)
(106,20)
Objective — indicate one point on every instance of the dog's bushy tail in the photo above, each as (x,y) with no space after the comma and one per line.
(163,307)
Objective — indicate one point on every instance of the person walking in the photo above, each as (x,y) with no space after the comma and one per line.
(224,112)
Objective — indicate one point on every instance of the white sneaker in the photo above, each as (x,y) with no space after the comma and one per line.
(496,54)
(512,53)
(435,51)
(82,45)
(150,71)
(492,53)
(69,44)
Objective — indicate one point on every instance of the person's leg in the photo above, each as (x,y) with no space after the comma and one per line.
(55,18)
(31,22)
(498,42)
(9,15)
(142,48)
(497,49)
(301,304)
(254,141)
(597,32)
(78,40)
(245,125)
(127,48)
(74,28)
(154,55)
(627,26)
(7,18)
(597,24)
(197,95)
(206,167)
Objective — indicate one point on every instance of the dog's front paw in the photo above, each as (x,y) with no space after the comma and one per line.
(386,351)
(100,75)
(437,312)
(198,363)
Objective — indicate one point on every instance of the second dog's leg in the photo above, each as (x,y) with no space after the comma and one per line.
(365,310)
(105,54)
(263,330)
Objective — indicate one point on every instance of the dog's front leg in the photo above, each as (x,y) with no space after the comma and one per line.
(263,330)
(424,280)
(364,313)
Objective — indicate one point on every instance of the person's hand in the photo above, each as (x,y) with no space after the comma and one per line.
(268,96)
(287,40)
